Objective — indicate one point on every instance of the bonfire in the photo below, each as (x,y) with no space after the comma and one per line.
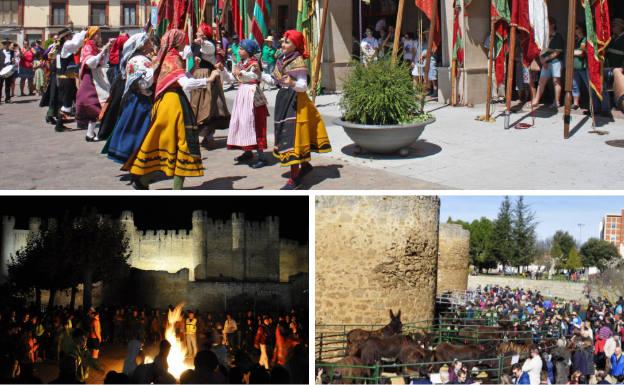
(177,355)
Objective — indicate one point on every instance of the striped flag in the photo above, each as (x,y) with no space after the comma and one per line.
(597,39)
(261,15)
(458,44)
(306,24)
(499,11)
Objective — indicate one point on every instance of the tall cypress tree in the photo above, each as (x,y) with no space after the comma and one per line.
(523,230)
(502,236)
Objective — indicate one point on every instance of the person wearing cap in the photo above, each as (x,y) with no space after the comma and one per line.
(268,55)
(66,73)
(248,123)
(299,128)
(7,57)
(94,86)
(208,104)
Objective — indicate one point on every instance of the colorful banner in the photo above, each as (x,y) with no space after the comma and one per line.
(501,15)
(598,38)
(426,6)
(525,16)
(458,44)
(261,15)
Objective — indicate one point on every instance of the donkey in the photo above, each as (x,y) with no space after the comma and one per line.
(356,337)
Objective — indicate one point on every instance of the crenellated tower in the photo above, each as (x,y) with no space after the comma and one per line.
(198,233)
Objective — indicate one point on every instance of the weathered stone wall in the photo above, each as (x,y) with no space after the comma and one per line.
(453,259)
(375,253)
(159,289)
(293,259)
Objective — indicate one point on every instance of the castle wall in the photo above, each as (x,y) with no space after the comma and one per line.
(235,249)
(375,253)
(293,259)
(159,289)
(454,258)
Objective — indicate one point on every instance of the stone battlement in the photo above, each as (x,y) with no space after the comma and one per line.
(156,234)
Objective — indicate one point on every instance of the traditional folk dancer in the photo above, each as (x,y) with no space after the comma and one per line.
(51,96)
(299,128)
(172,141)
(116,81)
(136,99)
(94,87)
(66,73)
(249,113)
(208,104)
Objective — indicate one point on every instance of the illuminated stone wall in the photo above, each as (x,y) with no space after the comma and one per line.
(454,258)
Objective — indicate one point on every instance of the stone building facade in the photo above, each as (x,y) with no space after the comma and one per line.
(375,253)
(218,250)
(453,258)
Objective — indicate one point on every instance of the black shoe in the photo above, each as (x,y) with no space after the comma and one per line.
(247,155)
(259,164)
(50,120)
(136,183)
(292,184)
(90,139)
(8,101)
(60,128)
(306,168)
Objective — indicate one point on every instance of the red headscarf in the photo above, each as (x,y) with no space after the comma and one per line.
(113,57)
(299,41)
(169,65)
(206,30)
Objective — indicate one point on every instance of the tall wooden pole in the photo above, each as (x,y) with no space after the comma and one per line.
(488,97)
(432,25)
(568,67)
(510,73)
(319,50)
(397,31)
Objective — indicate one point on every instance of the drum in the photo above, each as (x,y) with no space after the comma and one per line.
(8,71)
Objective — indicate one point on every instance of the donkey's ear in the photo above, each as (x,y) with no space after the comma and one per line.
(391,314)
(399,314)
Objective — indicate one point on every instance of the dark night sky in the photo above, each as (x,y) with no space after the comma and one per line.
(168,212)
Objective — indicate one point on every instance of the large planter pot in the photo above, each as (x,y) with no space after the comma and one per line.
(383,139)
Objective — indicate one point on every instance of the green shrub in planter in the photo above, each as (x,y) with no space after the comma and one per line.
(382,93)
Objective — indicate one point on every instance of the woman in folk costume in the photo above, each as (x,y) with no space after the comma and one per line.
(299,128)
(66,73)
(171,144)
(249,114)
(136,100)
(114,75)
(209,105)
(94,87)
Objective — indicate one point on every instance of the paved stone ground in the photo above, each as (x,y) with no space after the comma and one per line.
(455,152)
(35,157)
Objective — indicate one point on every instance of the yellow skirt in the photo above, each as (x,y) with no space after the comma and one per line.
(299,129)
(165,147)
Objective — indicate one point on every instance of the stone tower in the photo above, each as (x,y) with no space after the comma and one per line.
(127,221)
(198,233)
(8,245)
(34,225)
(375,253)
(454,258)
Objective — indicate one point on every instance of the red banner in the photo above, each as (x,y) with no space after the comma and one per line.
(426,6)
(520,18)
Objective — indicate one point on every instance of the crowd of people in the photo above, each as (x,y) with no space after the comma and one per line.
(153,98)
(27,65)
(531,81)
(573,343)
(223,350)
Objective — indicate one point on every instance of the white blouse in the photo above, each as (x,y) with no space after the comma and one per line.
(72,46)
(301,82)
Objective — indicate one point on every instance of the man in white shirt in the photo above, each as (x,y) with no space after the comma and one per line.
(7,57)
(229,331)
(533,366)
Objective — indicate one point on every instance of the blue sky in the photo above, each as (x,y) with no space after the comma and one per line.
(552,212)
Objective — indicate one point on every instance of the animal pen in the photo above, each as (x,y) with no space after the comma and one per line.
(331,348)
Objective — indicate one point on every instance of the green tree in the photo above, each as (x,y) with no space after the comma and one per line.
(523,232)
(597,252)
(101,248)
(564,243)
(574,261)
(502,234)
